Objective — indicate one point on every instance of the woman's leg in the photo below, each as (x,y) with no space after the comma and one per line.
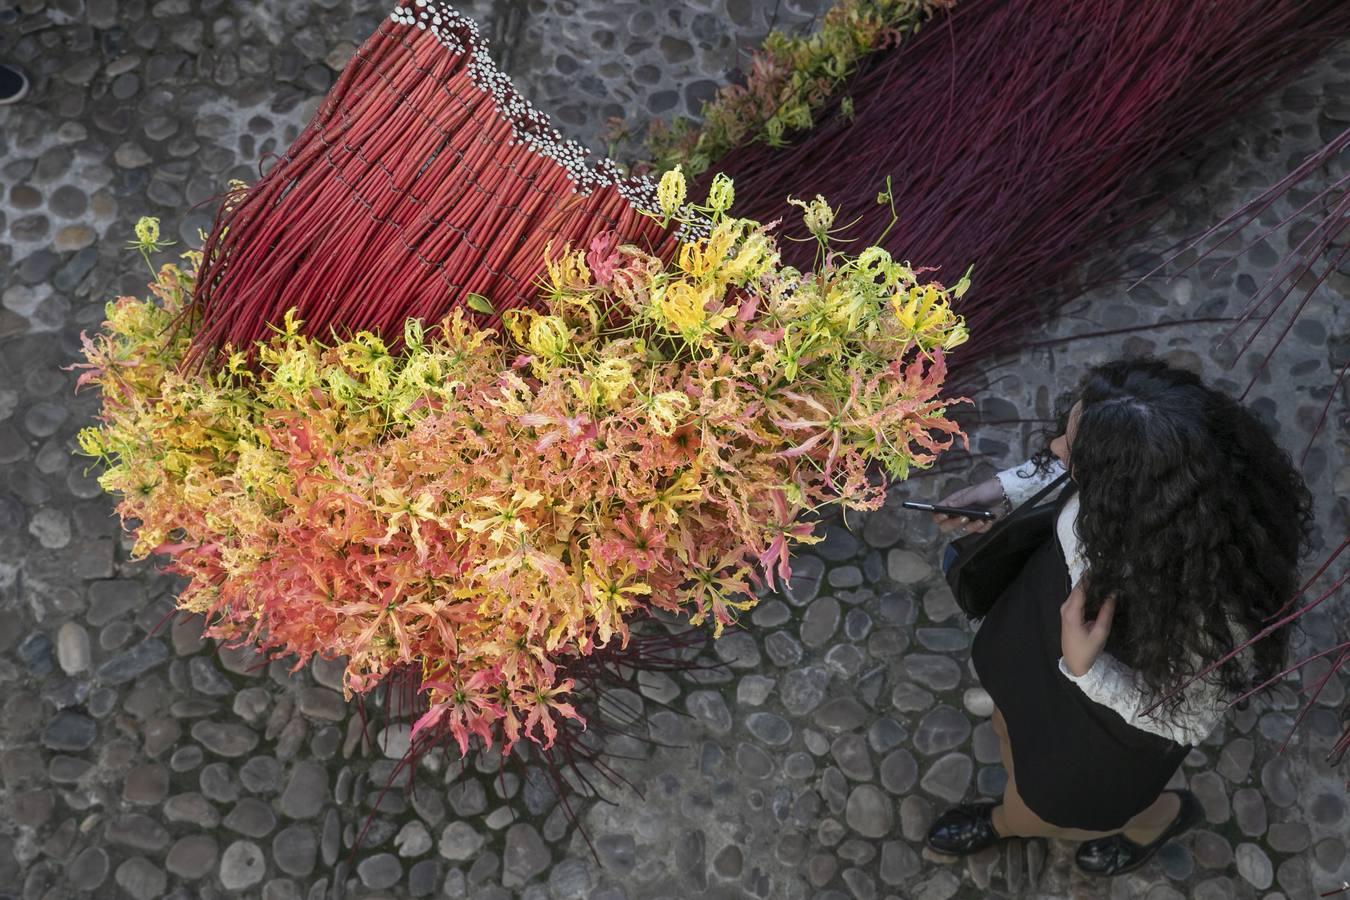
(1149,825)
(1013,818)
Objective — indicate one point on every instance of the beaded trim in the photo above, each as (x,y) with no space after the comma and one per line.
(459,34)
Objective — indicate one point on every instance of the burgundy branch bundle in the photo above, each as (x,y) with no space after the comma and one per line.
(1015,131)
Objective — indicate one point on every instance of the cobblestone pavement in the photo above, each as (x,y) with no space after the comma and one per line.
(143,763)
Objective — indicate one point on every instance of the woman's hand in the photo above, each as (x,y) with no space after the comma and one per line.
(1081,641)
(985,495)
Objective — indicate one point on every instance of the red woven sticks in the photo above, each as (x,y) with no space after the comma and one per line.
(423,178)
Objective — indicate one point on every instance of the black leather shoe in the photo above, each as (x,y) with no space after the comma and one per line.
(1117,854)
(964,829)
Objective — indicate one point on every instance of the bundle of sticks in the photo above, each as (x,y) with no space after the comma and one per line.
(1017,135)
(424,182)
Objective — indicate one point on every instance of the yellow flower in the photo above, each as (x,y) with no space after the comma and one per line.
(682,307)
(919,310)
(147,229)
(667,410)
(721,194)
(755,256)
(702,259)
(844,306)
(610,378)
(91,441)
(568,272)
(550,338)
(670,192)
(817,215)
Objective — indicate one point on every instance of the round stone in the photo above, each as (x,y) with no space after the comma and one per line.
(752,761)
(850,752)
(907,567)
(1289,837)
(225,738)
(1250,811)
(883,529)
(570,879)
(942,729)
(909,698)
(305,791)
(1212,851)
(70,731)
(1277,783)
(192,857)
(380,871)
(193,809)
(1213,796)
(44,418)
(71,238)
(130,155)
(938,673)
(468,797)
(857,625)
(820,622)
(141,878)
(146,785)
(783,649)
(1235,762)
(899,863)
(753,690)
(802,690)
(885,734)
(241,866)
(1176,861)
(72,648)
(295,849)
(769,728)
(949,777)
(1254,866)
(1329,854)
(459,841)
(251,817)
(899,770)
(738,650)
(978,702)
(729,861)
(1328,809)
(89,869)
(770,614)
(68,201)
(840,714)
(710,709)
(525,856)
(412,840)
(261,775)
(869,811)
(804,585)
(939,604)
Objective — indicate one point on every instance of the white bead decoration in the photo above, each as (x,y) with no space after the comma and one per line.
(528,125)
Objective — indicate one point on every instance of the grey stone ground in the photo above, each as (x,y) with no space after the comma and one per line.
(148,766)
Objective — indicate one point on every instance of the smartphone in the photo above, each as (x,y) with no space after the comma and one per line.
(950,510)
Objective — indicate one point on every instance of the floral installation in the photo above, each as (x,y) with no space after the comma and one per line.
(486,505)
(791,77)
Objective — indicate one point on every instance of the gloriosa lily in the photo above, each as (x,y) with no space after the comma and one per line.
(492,506)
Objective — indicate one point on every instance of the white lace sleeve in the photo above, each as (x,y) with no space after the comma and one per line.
(1020,483)
(1113,684)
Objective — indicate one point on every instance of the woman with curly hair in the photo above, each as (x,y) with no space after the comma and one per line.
(1178,534)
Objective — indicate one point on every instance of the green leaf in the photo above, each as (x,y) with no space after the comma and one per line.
(479,303)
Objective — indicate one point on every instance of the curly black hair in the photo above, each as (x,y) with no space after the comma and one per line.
(1191,515)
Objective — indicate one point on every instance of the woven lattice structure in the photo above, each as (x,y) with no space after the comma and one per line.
(423,179)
